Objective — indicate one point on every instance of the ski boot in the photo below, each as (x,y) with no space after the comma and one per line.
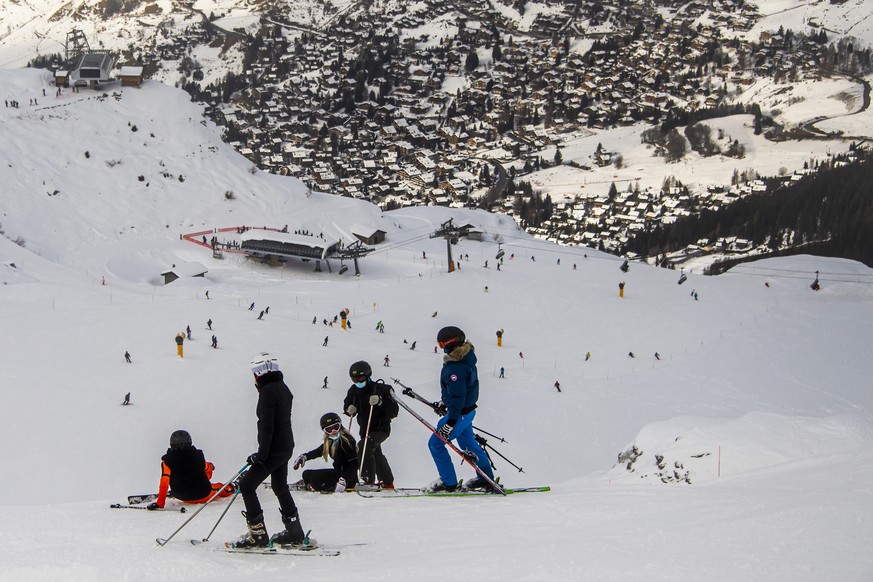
(477,482)
(256,537)
(438,487)
(293,535)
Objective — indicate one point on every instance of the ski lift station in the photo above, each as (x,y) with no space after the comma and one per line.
(278,247)
(94,68)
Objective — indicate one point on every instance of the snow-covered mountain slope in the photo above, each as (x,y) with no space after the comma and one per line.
(760,392)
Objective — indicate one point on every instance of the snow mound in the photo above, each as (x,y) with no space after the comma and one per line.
(690,449)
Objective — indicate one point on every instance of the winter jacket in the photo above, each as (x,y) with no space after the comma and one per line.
(186,473)
(459,382)
(382,414)
(345,457)
(275,437)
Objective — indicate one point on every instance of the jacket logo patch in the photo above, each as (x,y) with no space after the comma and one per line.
(453,377)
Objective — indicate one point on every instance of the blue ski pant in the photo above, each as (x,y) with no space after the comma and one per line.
(466,441)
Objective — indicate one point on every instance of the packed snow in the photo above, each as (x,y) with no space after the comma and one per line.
(741,453)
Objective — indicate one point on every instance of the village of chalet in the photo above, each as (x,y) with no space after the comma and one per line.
(356,111)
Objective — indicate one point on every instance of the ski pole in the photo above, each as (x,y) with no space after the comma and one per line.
(451,445)
(162,541)
(484,443)
(501,439)
(223,513)
(366,438)
(435,406)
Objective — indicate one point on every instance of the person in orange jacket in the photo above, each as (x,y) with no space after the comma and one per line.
(187,474)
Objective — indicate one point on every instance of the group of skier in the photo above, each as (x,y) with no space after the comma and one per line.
(187,474)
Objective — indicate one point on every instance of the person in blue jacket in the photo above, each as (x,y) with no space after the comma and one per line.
(459,392)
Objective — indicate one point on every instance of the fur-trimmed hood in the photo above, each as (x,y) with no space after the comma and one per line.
(459,353)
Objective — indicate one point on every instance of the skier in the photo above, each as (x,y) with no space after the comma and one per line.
(325,383)
(372,403)
(186,472)
(261,316)
(215,341)
(386,361)
(126,399)
(412,347)
(207,294)
(501,372)
(338,445)
(459,392)
(127,357)
(325,341)
(188,329)
(657,356)
(587,356)
(209,323)
(275,447)
(252,306)
(557,386)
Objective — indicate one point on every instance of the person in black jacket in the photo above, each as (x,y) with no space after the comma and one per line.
(372,403)
(186,474)
(275,447)
(338,445)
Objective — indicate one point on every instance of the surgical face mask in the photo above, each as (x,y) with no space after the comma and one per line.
(334,437)
(361,384)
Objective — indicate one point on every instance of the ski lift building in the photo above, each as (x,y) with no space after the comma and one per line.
(95,67)
(281,245)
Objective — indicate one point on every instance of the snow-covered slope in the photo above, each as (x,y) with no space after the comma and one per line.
(760,393)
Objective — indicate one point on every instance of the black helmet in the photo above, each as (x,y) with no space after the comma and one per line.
(450,337)
(180,439)
(361,368)
(329,419)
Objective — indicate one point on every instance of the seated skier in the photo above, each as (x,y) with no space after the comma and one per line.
(338,445)
(186,474)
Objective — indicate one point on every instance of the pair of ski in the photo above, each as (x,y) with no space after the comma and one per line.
(138,501)
(459,492)
(275,550)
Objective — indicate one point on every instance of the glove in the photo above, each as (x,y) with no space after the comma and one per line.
(253,459)
(375,400)
(153,506)
(446,430)
(340,485)
(299,461)
(439,408)
(352,410)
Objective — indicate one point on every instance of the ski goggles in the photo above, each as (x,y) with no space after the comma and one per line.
(333,428)
(359,378)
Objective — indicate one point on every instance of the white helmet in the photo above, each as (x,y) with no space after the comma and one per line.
(263,363)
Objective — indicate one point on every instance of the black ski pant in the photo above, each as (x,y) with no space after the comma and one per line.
(275,467)
(322,479)
(375,465)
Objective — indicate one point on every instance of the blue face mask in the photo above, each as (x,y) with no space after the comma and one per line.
(361,384)
(333,438)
